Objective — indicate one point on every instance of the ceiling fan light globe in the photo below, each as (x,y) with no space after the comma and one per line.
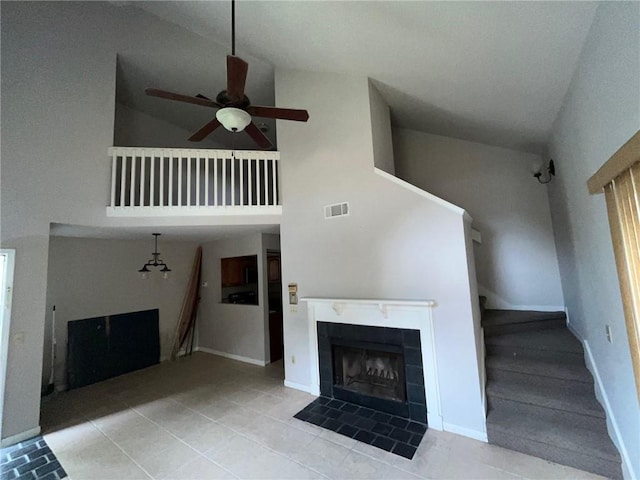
(233,119)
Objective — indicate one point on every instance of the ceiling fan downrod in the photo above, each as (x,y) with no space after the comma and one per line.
(233,27)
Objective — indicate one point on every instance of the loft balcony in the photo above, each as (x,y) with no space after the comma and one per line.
(156,182)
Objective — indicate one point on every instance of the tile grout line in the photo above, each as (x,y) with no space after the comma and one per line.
(121,449)
(182,441)
(239,432)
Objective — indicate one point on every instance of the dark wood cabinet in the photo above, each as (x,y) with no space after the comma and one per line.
(238,271)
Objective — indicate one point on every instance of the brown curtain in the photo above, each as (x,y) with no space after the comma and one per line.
(623,204)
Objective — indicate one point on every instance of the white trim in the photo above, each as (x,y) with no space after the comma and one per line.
(538,308)
(212,211)
(409,314)
(6,284)
(467,432)
(422,193)
(19,437)
(612,423)
(253,361)
(297,386)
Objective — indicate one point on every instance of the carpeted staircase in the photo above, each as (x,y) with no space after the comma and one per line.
(541,395)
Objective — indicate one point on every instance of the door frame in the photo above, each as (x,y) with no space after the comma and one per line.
(6,293)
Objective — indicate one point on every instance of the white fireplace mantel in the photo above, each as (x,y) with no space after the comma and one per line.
(409,314)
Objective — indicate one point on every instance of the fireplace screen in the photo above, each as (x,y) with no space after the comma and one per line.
(369,372)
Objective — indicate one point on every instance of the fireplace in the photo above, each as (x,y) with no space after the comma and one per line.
(375,367)
(370,371)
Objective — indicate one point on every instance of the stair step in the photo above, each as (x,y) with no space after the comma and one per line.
(501,322)
(595,424)
(551,345)
(542,367)
(505,317)
(559,394)
(555,437)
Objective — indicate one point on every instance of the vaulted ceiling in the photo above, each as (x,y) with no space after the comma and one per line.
(492,72)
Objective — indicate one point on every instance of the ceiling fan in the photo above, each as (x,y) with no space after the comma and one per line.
(234,107)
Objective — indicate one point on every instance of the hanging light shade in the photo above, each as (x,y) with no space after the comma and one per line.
(233,119)
(155,262)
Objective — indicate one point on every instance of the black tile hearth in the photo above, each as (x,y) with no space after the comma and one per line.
(391,433)
(31,459)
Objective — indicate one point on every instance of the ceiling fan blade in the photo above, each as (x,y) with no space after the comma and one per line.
(280,113)
(202,96)
(204,131)
(258,137)
(205,102)
(236,77)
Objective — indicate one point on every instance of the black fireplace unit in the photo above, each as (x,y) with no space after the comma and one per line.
(376,367)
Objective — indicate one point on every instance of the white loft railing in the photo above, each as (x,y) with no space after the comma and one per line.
(153,181)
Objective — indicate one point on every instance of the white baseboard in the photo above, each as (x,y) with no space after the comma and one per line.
(537,308)
(297,386)
(466,432)
(612,423)
(232,356)
(19,437)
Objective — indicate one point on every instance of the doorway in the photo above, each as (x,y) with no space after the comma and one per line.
(7,261)
(274,293)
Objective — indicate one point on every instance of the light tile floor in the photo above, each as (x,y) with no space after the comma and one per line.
(208,417)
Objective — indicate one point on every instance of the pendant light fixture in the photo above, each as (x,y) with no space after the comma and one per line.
(155,262)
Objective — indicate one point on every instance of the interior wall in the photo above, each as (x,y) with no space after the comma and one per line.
(89,278)
(516,262)
(394,244)
(233,330)
(600,113)
(69,104)
(381,133)
(133,128)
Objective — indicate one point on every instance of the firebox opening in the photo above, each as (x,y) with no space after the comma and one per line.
(369,371)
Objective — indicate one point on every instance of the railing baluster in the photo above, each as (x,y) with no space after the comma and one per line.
(123,177)
(224,181)
(266,182)
(142,178)
(132,186)
(152,178)
(170,198)
(241,162)
(232,162)
(114,167)
(250,181)
(198,158)
(273,181)
(215,180)
(189,181)
(206,181)
(258,181)
(179,179)
(161,182)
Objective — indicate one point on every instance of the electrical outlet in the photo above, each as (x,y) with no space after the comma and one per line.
(293,309)
(607,330)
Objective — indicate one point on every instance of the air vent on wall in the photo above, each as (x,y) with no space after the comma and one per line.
(336,210)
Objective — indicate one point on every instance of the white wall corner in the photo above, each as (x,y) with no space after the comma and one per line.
(467,432)
(297,386)
(612,423)
(19,437)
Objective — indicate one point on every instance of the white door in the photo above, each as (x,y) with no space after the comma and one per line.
(7,259)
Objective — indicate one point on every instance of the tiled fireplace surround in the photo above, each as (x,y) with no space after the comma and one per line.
(401,320)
